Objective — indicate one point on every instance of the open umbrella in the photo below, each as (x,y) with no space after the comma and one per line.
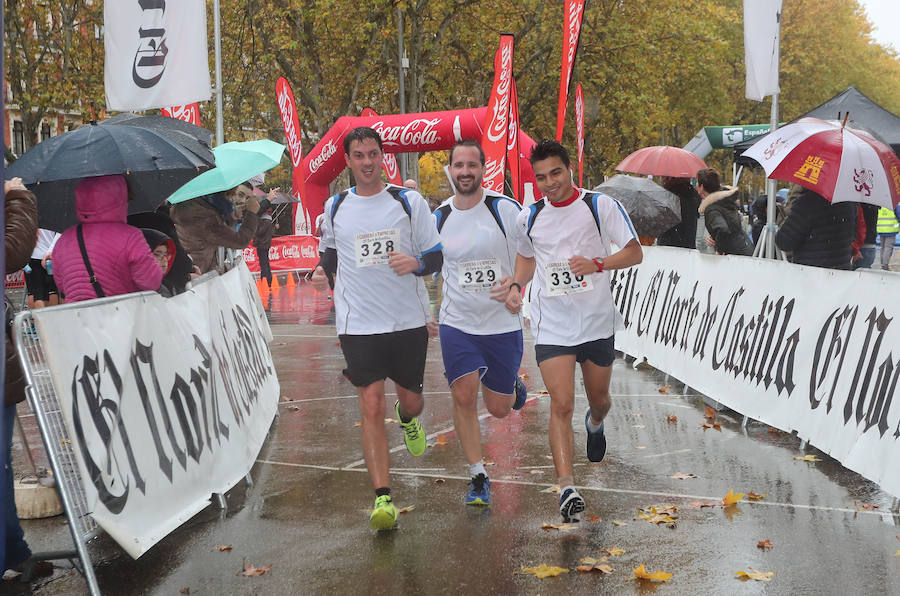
(153,164)
(653,209)
(236,162)
(836,161)
(194,138)
(662,160)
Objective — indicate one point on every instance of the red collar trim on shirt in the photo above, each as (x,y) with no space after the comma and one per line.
(568,201)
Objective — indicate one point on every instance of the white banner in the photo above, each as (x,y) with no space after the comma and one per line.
(762,37)
(156,54)
(166,401)
(798,348)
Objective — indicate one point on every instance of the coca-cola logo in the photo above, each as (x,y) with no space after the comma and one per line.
(390,166)
(290,251)
(499,122)
(286,106)
(420,131)
(327,152)
(574,22)
(493,174)
(308,252)
(189,113)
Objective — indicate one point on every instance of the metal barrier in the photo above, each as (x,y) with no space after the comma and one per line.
(43,401)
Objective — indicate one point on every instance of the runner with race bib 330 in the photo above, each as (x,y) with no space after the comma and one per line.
(480,339)
(565,242)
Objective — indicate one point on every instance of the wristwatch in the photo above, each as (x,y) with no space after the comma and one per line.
(599,263)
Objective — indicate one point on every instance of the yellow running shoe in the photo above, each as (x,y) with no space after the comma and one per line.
(412,433)
(384,516)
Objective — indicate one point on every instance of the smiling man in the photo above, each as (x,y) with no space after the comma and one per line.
(565,238)
(380,240)
(480,339)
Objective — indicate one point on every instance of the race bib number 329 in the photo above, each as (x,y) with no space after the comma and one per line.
(372,248)
(477,276)
(561,280)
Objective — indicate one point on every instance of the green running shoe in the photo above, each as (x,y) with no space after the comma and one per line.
(384,516)
(412,433)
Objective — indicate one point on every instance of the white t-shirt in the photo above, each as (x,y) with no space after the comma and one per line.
(46,240)
(369,297)
(477,254)
(566,311)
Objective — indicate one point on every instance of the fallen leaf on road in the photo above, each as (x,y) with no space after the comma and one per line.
(542,392)
(603,568)
(223,547)
(561,526)
(613,551)
(752,496)
(554,488)
(761,576)
(732,497)
(809,457)
(659,515)
(710,414)
(594,518)
(248,570)
(592,560)
(639,426)
(658,575)
(184,591)
(439,481)
(440,440)
(764,544)
(716,425)
(294,408)
(680,476)
(389,421)
(665,389)
(671,418)
(864,506)
(488,462)
(543,570)
(702,504)
(406,509)
(357,424)
(523,376)
(619,523)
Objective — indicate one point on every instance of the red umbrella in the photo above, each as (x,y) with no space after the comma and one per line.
(663,160)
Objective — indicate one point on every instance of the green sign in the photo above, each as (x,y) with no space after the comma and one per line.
(722,137)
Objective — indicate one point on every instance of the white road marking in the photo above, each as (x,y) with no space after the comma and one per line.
(667,453)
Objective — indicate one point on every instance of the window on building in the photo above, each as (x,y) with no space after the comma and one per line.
(18,138)
(45,131)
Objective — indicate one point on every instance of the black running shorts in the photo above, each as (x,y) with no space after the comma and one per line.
(601,352)
(38,282)
(399,355)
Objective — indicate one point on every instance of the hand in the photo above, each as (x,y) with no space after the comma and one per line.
(273,193)
(856,255)
(432,327)
(710,241)
(319,279)
(47,257)
(252,205)
(402,264)
(582,265)
(13,184)
(501,290)
(514,300)
(195,272)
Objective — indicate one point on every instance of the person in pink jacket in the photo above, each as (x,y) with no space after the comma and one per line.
(118,253)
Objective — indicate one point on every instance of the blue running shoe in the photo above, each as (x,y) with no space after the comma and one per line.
(479,491)
(596,441)
(521,394)
(571,505)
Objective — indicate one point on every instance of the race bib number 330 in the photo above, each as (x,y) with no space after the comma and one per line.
(372,248)
(477,276)
(561,280)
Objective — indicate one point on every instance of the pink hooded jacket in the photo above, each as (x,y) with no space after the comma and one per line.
(118,253)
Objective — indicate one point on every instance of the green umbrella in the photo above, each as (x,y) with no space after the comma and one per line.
(236,162)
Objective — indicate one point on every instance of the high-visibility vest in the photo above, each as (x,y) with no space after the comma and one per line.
(887,222)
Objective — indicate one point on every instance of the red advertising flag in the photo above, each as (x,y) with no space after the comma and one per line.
(391,169)
(579,131)
(512,147)
(574,11)
(496,131)
(287,106)
(189,113)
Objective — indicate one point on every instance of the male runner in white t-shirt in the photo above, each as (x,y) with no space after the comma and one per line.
(565,243)
(480,338)
(380,240)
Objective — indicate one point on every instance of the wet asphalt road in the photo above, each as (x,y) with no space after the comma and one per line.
(306,513)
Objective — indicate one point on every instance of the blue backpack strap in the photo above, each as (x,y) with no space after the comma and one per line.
(441,214)
(591,200)
(532,215)
(338,199)
(399,193)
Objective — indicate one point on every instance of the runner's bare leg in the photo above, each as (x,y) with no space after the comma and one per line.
(374,437)
(596,384)
(559,377)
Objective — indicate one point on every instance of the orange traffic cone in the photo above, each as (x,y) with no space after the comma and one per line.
(275,284)
(290,280)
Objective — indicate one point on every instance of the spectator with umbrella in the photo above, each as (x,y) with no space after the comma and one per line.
(683,234)
(722,216)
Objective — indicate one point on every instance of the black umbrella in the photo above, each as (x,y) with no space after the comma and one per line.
(195,138)
(653,209)
(153,163)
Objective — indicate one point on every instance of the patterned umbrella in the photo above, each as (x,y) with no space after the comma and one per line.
(653,210)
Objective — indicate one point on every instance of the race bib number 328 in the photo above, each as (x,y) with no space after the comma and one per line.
(561,280)
(372,248)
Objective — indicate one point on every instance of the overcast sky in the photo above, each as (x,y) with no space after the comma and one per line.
(885,15)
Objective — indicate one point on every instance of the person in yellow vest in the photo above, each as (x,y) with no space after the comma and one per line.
(888,226)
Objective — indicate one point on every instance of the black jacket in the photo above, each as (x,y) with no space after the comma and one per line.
(724,223)
(685,233)
(818,232)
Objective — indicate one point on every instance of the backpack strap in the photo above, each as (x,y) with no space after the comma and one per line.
(87,264)
(591,200)
(338,199)
(399,194)
(440,215)
(532,216)
(491,202)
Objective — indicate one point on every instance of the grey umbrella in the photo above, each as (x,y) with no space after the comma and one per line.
(653,210)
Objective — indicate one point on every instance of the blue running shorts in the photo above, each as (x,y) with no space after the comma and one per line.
(495,357)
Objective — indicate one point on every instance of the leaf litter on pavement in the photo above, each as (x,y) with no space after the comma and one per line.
(659,514)
(732,497)
(809,457)
(543,571)
(680,476)
(764,544)
(761,576)
(658,575)
(613,551)
(248,570)
(589,564)
(565,527)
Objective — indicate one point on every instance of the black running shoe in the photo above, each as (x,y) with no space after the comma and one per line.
(596,441)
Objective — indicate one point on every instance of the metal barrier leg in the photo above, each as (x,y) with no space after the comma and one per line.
(220,501)
(249,479)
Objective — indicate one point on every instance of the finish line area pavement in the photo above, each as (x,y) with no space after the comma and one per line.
(306,513)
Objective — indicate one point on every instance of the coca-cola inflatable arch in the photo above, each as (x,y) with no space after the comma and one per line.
(400,133)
